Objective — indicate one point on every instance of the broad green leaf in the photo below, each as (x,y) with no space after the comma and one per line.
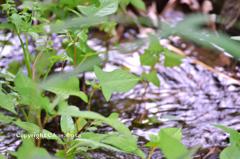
(43,62)
(5,118)
(172,59)
(139,4)
(65,88)
(28,150)
(112,120)
(14,67)
(106,7)
(86,65)
(7,102)
(152,77)
(80,123)
(123,143)
(152,54)
(171,147)
(115,81)
(21,24)
(79,52)
(2,157)
(173,132)
(75,112)
(169,141)
(231,152)
(76,23)
(34,129)
(70,3)
(149,58)
(30,93)
(67,124)
(124,3)
(93,144)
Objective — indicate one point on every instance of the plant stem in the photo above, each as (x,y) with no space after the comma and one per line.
(24,114)
(90,99)
(26,54)
(41,127)
(151,152)
(75,56)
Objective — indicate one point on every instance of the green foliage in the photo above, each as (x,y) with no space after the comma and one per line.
(39,97)
(201,36)
(30,94)
(152,54)
(232,151)
(2,157)
(67,124)
(152,77)
(115,81)
(76,23)
(30,151)
(5,119)
(34,129)
(169,141)
(171,59)
(138,4)
(65,88)
(7,102)
(105,8)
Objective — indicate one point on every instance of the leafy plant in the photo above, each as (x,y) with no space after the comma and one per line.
(233,150)
(39,97)
(169,142)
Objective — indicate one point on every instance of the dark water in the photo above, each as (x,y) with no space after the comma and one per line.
(189,97)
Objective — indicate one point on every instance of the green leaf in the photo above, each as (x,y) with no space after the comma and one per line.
(115,81)
(65,88)
(5,119)
(80,123)
(93,144)
(172,59)
(117,142)
(124,3)
(112,120)
(152,54)
(30,93)
(7,102)
(43,62)
(171,147)
(30,151)
(79,51)
(138,4)
(86,65)
(76,23)
(2,157)
(106,7)
(152,77)
(34,129)
(231,152)
(169,141)
(67,124)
